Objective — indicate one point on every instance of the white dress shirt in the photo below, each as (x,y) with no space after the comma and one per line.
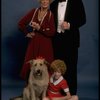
(61,14)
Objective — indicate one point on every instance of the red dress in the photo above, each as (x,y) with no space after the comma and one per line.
(54,88)
(40,44)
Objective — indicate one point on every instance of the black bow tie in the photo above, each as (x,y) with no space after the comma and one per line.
(62,0)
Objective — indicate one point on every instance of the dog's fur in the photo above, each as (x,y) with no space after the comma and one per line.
(38,81)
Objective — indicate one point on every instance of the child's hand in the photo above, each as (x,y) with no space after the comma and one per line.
(45,98)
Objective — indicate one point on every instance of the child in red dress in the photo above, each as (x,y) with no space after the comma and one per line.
(58,83)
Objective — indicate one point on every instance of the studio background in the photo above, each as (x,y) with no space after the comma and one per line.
(14,44)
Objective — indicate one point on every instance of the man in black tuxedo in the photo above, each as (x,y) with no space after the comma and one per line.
(69,16)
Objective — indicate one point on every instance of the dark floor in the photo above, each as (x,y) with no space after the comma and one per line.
(14,88)
(10,92)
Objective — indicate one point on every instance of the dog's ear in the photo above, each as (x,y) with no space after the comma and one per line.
(47,63)
(30,61)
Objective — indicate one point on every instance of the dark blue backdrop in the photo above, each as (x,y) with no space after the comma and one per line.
(14,46)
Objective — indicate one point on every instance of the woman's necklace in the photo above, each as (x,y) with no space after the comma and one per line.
(41,14)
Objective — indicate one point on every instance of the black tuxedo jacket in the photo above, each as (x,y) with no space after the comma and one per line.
(75,15)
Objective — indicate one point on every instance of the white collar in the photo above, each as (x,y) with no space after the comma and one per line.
(63,2)
(56,82)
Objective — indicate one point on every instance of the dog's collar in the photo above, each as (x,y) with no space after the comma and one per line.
(56,82)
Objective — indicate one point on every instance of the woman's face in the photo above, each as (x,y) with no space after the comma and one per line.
(44,3)
(57,74)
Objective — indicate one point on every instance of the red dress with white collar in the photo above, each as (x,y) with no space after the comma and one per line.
(54,88)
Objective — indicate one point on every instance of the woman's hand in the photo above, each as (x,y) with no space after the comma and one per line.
(35,25)
(30,35)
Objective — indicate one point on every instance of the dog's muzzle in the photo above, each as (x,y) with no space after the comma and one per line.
(38,73)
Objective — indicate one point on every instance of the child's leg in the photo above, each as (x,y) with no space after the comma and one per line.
(74,97)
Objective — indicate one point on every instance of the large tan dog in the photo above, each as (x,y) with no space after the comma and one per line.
(38,81)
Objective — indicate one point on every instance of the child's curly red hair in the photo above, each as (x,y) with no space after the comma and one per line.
(58,65)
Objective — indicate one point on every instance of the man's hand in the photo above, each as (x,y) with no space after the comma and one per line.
(65,25)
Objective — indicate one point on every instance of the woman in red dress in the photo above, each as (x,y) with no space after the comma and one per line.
(38,25)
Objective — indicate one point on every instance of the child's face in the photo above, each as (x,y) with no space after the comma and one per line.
(57,74)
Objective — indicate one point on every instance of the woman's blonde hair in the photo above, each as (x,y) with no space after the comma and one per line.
(58,65)
(41,0)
